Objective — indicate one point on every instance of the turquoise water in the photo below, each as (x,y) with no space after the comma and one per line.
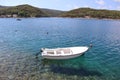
(21,40)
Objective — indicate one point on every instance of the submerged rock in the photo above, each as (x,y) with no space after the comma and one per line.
(11,77)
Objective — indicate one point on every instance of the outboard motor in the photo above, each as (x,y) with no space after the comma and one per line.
(41,49)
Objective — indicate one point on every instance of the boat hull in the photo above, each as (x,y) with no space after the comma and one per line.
(75,52)
(63,57)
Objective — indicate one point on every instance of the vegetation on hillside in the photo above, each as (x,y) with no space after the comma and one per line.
(92,13)
(30,11)
(23,11)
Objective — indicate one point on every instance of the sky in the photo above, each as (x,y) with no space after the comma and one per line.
(66,5)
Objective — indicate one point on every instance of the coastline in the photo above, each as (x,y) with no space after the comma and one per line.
(64,17)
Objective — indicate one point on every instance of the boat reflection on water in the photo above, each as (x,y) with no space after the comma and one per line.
(75,66)
(50,64)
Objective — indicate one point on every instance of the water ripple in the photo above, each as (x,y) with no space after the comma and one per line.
(19,42)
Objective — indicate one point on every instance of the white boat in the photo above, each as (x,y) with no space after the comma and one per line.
(63,53)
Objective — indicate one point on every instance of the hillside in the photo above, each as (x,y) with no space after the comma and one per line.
(92,13)
(22,11)
(52,13)
(30,11)
(27,11)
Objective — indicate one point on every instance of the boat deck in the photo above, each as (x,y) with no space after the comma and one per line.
(58,51)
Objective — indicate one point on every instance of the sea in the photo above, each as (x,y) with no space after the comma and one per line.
(21,40)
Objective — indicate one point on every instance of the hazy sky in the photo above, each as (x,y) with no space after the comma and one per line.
(66,4)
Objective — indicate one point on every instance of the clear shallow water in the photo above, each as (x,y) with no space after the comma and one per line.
(21,40)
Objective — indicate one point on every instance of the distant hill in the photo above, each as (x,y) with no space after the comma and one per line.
(52,13)
(92,13)
(2,6)
(27,11)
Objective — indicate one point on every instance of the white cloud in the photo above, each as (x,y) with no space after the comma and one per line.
(117,0)
(100,2)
